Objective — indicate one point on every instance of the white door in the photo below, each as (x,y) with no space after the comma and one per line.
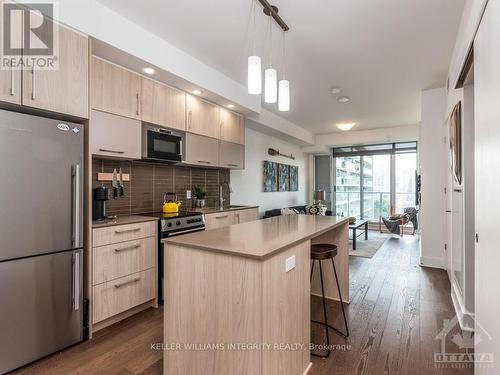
(487,133)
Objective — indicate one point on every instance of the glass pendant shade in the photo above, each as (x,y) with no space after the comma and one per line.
(284,95)
(254,75)
(271,86)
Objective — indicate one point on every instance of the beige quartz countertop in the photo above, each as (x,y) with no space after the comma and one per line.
(261,238)
(122,220)
(215,210)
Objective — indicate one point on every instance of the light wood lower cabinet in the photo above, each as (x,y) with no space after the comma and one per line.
(121,259)
(124,270)
(201,150)
(219,220)
(243,216)
(119,295)
(114,136)
(224,219)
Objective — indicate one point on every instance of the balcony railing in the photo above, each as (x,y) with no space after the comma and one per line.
(375,204)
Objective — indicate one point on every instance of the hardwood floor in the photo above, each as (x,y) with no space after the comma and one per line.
(397,308)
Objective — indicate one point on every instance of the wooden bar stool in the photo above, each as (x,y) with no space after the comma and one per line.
(320,252)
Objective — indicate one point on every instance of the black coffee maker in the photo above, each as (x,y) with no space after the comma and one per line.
(101,195)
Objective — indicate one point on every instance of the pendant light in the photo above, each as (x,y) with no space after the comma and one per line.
(270,74)
(254,64)
(284,86)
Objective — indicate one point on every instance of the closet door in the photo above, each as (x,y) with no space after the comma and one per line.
(487,177)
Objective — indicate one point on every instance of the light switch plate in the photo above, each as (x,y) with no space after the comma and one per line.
(290,263)
(188,194)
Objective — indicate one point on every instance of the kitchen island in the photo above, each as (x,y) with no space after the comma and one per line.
(237,299)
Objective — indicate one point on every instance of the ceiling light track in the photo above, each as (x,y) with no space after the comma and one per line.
(271,10)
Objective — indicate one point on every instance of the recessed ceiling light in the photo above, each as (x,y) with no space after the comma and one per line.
(197,92)
(335,90)
(230,106)
(343,99)
(148,70)
(346,126)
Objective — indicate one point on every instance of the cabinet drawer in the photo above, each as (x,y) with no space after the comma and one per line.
(113,261)
(119,295)
(220,220)
(121,233)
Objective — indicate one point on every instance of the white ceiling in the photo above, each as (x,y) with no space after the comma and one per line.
(381,53)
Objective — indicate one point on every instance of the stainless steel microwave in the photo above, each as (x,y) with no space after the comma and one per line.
(161,144)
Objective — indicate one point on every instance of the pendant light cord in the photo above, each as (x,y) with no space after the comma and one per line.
(284,54)
(270,42)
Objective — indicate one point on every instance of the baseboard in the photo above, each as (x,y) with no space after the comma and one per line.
(465,318)
(330,298)
(431,262)
(308,368)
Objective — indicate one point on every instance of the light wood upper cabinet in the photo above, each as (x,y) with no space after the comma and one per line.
(10,79)
(114,136)
(231,155)
(202,117)
(201,150)
(232,127)
(115,89)
(65,89)
(163,105)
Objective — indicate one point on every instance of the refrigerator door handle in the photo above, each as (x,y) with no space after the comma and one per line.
(75,175)
(76,281)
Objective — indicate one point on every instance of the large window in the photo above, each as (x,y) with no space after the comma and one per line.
(374,180)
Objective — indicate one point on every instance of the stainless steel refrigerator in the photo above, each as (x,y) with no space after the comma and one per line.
(41,255)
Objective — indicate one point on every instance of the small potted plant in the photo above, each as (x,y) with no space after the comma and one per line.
(199,193)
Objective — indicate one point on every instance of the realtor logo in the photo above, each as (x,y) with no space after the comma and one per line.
(29,36)
(461,353)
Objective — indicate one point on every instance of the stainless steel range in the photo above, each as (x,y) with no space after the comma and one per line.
(170,225)
(180,223)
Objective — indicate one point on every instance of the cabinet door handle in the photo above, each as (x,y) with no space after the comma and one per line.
(204,162)
(127,282)
(221,217)
(222,129)
(11,80)
(127,230)
(137,98)
(112,151)
(127,248)
(190,116)
(232,165)
(33,81)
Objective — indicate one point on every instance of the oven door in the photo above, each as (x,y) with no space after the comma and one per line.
(163,146)
(161,292)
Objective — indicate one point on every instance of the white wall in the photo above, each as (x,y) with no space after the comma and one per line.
(433,168)
(471,16)
(247,184)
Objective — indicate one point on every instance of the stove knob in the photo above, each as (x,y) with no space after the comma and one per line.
(178,222)
(169,224)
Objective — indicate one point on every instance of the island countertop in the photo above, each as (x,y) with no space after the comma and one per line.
(261,238)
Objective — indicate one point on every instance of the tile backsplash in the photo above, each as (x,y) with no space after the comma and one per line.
(150,181)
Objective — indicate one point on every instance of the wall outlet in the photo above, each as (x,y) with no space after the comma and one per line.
(290,263)
(188,194)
